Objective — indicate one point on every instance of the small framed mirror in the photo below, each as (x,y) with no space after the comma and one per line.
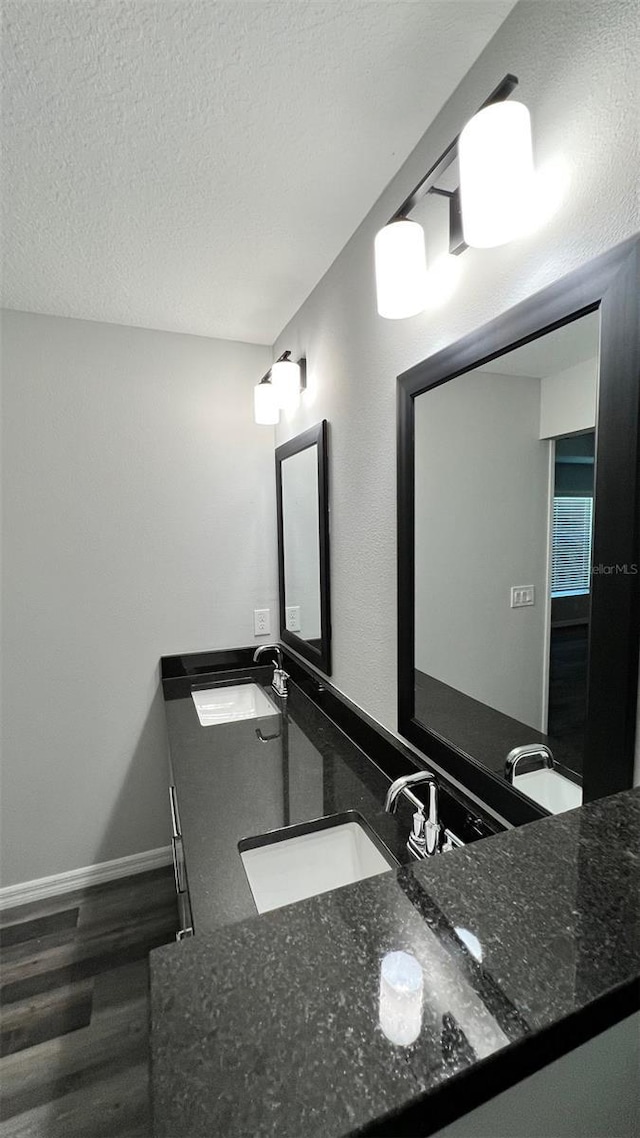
(303,545)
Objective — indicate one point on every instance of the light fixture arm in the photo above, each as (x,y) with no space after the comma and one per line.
(427,184)
(457,243)
(267,375)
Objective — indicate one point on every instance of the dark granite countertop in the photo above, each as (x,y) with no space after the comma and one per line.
(239,780)
(528,941)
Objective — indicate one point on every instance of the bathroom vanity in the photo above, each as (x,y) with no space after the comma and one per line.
(286,1023)
(329,982)
(268,764)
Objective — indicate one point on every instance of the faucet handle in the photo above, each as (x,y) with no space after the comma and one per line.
(279,682)
(417,841)
(418,823)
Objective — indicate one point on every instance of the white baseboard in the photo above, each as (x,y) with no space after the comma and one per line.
(12,895)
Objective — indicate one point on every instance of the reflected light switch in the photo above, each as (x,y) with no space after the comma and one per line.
(293,618)
(522,596)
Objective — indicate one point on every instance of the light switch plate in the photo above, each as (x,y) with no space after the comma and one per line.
(262,622)
(293,618)
(522,596)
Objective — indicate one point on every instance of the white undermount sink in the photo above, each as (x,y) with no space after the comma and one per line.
(232,703)
(549,789)
(318,857)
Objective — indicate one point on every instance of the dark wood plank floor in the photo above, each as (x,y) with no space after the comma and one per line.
(74,1009)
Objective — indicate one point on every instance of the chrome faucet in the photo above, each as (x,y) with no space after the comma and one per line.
(424,839)
(280,677)
(527,752)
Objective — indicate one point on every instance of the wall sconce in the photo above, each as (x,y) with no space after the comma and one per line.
(279,389)
(265,405)
(493,205)
(286,379)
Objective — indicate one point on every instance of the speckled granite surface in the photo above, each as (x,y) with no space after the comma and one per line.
(271,1026)
(238,780)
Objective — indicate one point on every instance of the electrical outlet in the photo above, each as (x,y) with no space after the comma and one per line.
(261,622)
(522,596)
(293,618)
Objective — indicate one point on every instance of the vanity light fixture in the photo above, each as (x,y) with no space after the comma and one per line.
(496,175)
(286,379)
(265,404)
(279,389)
(493,204)
(401,269)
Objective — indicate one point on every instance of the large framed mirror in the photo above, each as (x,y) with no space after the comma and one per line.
(518,519)
(303,545)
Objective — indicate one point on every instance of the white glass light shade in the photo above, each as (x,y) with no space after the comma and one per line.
(401,269)
(285,380)
(265,405)
(496,175)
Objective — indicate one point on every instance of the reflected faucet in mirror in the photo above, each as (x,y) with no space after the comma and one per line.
(530,751)
(280,677)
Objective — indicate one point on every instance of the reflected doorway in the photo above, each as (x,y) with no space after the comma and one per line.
(572,539)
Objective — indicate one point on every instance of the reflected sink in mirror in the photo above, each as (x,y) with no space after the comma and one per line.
(301,861)
(549,789)
(232,703)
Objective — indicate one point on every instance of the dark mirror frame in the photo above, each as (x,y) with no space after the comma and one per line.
(610,284)
(319,655)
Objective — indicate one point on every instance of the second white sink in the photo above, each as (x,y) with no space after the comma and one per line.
(282,870)
(232,703)
(549,789)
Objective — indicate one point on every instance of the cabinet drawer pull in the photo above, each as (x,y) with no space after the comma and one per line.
(186,920)
(175,820)
(178,865)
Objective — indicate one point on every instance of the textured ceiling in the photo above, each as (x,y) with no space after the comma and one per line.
(197,166)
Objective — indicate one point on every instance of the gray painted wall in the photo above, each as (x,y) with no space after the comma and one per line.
(139,520)
(577,66)
(569,400)
(482,526)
